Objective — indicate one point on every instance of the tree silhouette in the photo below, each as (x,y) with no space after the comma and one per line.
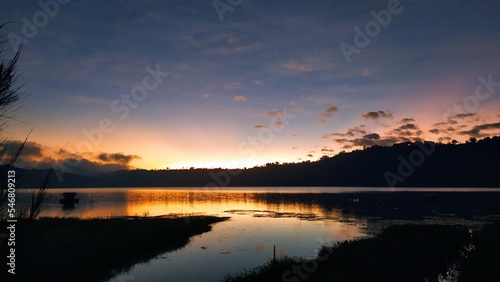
(10,96)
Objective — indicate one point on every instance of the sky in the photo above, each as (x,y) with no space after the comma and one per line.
(177,84)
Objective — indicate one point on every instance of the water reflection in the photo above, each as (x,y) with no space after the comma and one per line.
(339,206)
(295,220)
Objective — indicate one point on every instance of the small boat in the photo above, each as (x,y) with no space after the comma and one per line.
(69,200)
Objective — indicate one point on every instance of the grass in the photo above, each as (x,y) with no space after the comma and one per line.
(398,253)
(70,249)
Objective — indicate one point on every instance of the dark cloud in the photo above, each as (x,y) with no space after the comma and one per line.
(408,126)
(407,120)
(117,158)
(327,150)
(444,139)
(453,119)
(88,167)
(351,132)
(372,136)
(407,130)
(368,141)
(356,131)
(448,130)
(462,116)
(440,124)
(259,126)
(476,130)
(434,131)
(31,149)
(328,112)
(376,115)
(32,156)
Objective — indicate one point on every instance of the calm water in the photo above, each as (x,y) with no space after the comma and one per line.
(295,220)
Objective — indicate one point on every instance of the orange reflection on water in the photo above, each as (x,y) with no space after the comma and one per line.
(109,202)
(155,202)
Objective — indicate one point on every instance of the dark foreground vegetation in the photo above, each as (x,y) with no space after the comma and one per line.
(69,249)
(409,164)
(398,253)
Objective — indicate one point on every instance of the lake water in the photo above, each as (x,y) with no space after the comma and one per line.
(297,220)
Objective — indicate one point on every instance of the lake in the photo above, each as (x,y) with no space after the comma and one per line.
(297,220)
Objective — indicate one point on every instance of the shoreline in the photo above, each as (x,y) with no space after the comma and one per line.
(408,252)
(71,249)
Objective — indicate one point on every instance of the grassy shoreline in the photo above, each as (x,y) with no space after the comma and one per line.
(399,253)
(70,249)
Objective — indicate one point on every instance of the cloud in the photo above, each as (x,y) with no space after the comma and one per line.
(407,132)
(297,67)
(328,112)
(232,85)
(453,119)
(372,136)
(476,130)
(444,139)
(274,113)
(376,115)
(279,123)
(119,158)
(88,167)
(351,132)
(309,155)
(327,150)
(359,136)
(239,98)
(407,120)
(462,116)
(82,99)
(32,156)
(30,150)
(434,131)
(355,131)
(367,141)
(258,82)
(259,126)
(409,126)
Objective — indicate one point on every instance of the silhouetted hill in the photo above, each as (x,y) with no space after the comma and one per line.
(428,164)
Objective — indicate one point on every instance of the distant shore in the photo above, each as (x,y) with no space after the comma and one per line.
(70,249)
(472,164)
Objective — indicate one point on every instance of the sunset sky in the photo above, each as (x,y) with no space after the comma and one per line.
(262,81)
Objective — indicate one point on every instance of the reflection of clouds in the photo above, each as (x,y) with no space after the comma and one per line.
(280,251)
(260,246)
(105,202)
(93,203)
